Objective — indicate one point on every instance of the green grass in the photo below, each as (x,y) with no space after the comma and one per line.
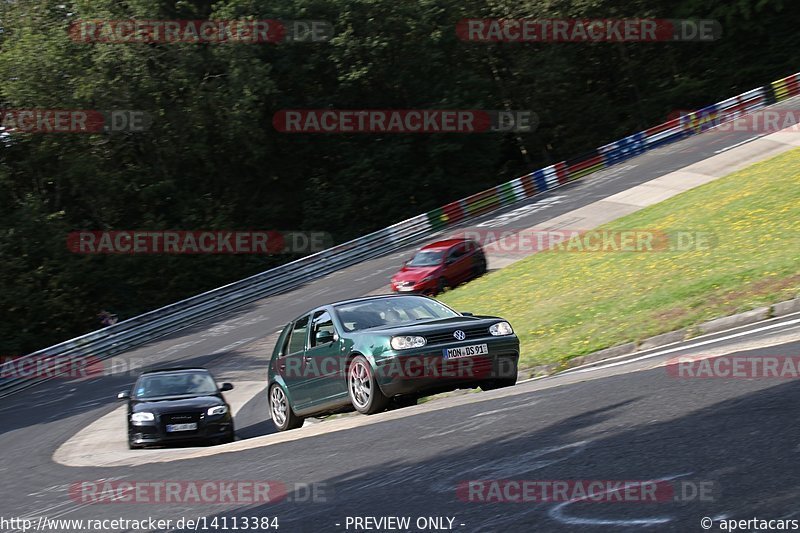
(566,304)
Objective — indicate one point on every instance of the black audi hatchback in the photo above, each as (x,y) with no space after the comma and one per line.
(177,405)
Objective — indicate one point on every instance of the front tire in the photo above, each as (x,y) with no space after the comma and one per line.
(441,286)
(230,437)
(365,394)
(281,410)
(498,383)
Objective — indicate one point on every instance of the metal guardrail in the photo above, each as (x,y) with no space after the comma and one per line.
(121,337)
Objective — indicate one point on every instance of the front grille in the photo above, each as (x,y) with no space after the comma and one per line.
(447,336)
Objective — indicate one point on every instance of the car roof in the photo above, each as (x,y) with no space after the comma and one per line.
(367,298)
(354,300)
(447,243)
(177,369)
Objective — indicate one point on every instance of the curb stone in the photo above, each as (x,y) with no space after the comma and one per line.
(740,319)
(614,351)
(663,339)
(712,326)
(786,308)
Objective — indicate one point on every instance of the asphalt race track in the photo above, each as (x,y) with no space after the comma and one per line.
(630,421)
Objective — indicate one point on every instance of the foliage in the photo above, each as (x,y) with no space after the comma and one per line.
(212,159)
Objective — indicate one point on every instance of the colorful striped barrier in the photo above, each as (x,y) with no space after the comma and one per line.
(610,154)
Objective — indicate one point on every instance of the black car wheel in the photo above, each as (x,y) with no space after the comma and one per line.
(230,437)
(480,267)
(498,383)
(441,286)
(399,402)
(282,414)
(365,395)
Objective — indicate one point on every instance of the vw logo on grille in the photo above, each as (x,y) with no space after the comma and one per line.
(460,335)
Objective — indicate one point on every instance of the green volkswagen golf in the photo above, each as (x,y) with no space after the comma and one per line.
(376,352)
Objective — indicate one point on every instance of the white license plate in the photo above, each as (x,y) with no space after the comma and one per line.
(405,289)
(466,351)
(171,428)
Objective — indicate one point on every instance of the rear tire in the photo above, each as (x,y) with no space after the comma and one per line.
(498,383)
(441,286)
(480,268)
(399,402)
(365,394)
(281,410)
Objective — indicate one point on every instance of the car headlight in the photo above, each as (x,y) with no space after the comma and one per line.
(142,417)
(218,410)
(410,341)
(501,328)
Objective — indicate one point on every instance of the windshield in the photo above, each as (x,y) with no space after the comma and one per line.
(391,312)
(426,258)
(174,384)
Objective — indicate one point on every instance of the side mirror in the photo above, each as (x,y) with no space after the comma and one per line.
(324,337)
(467,314)
(124,395)
(226,387)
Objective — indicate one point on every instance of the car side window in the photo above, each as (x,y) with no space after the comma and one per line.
(297,341)
(456,252)
(284,340)
(322,321)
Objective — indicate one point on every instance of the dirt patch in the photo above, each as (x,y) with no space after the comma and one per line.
(733,302)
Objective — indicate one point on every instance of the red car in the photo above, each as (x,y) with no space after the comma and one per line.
(440,265)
